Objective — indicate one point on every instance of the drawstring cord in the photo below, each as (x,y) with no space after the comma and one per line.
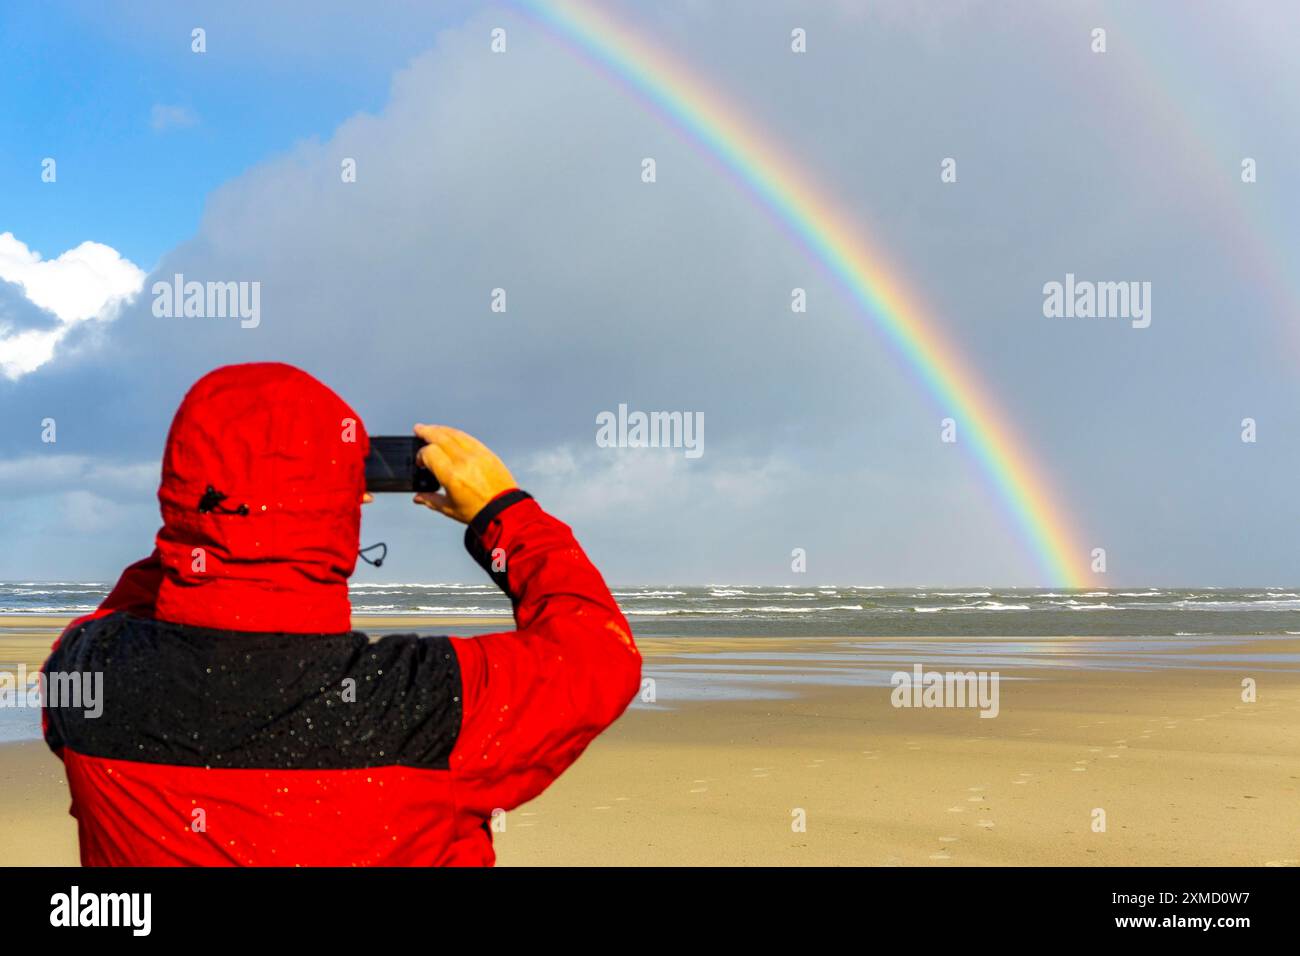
(377,562)
(210,503)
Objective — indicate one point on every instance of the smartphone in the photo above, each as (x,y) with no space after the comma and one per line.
(392,466)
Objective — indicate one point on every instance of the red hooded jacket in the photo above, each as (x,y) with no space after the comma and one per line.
(244,723)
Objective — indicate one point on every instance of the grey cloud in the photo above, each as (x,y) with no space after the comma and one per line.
(521,171)
(54,472)
(18,314)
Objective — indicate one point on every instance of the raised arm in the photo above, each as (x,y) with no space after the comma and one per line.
(535,697)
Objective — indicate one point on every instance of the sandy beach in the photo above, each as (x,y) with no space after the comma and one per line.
(748,736)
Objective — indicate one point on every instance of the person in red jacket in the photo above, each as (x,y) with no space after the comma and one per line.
(245,723)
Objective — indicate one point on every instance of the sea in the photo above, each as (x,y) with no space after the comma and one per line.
(873,630)
(819,610)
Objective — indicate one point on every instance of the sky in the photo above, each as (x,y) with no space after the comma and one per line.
(522,170)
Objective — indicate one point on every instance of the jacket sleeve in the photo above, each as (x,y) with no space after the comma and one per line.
(535,697)
(136,592)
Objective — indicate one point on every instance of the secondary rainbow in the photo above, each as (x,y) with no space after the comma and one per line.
(866,274)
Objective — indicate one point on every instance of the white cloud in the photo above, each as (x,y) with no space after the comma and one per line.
(50,473)
(634,483)
(91,281)
(163,117)
(84,512)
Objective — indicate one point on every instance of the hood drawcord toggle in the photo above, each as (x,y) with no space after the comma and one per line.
(211,503)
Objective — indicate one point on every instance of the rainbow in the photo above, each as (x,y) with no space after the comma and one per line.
(777,183)
(1257,234)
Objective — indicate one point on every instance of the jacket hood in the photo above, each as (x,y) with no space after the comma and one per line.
(275,553)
